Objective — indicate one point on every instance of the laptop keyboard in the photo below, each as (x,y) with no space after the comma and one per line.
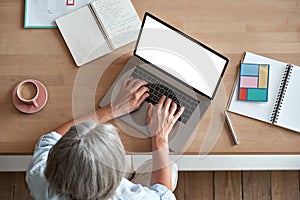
(158,88)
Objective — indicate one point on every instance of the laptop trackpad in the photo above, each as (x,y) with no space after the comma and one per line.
(139,116)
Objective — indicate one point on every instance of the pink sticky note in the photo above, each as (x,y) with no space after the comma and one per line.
(248,82)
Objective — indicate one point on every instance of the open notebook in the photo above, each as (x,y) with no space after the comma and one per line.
(283,107)
(99,28)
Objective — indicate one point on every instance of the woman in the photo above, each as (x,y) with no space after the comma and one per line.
(86,160)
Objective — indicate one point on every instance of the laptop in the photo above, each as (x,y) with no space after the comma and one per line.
(177,66)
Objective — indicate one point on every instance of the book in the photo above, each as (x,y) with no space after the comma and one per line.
(42,13)
(282,108)
(99,28)
(253,82)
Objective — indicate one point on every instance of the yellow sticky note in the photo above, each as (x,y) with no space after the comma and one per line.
(263,76)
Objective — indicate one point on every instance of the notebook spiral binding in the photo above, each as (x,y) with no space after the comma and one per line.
(281,93)
(100,25)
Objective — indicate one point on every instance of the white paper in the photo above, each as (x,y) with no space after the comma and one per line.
(289,114)
(119,20)
(82,35)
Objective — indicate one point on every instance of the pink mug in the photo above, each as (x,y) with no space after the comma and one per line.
(28,92)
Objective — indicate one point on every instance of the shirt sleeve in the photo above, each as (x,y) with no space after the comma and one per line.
(35,177)
(163,192)
(41,151)
(131,191)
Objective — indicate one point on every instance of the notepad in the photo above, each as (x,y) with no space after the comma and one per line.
(42,13)
(282,108)
(253,83)
(99,28)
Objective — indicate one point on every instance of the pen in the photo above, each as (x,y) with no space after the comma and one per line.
(235,140)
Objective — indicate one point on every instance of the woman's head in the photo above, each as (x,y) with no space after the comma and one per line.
(87,162)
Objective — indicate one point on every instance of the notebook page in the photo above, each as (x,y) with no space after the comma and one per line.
(289,116)
(82,35)
(119,20)
(261,111)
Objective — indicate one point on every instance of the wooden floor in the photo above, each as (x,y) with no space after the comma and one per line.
(227,185)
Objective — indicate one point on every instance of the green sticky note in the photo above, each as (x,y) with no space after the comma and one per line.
(257,94)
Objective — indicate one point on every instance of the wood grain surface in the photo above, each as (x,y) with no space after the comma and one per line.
(270,28)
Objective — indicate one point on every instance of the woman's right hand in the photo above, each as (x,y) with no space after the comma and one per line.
(131,95)
(161,119)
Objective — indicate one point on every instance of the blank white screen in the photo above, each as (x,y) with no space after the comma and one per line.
(180,56)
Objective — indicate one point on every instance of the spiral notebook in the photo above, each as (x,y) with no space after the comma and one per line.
(282,108)
(99,28)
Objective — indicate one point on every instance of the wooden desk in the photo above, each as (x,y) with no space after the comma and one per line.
(269,28)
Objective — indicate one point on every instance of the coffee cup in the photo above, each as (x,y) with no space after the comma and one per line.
(28,92)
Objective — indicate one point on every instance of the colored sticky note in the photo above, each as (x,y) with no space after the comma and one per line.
(263,76)
(243,94)
(253,84)
(257,94)
(249,69)
(248,82)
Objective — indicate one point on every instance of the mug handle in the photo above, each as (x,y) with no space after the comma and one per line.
(35,103)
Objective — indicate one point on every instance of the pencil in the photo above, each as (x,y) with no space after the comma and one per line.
(228,122)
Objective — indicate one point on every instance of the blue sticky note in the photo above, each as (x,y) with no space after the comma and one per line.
(249,69)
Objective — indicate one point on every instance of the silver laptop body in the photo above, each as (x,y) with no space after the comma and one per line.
(164,55)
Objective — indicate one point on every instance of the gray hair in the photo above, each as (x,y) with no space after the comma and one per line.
(87,162)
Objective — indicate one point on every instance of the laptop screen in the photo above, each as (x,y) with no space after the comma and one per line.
(183,57)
